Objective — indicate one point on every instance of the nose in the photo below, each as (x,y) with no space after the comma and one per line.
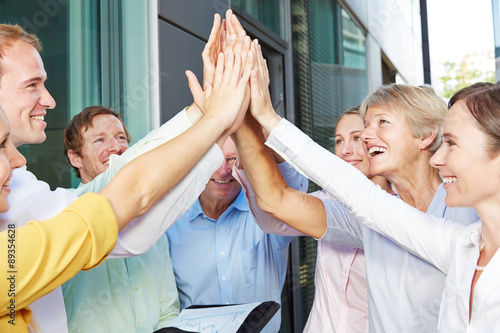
(438,160)
(346,148)
(367,133)
(16,159)
(114,146)
(225,168)
(46,99)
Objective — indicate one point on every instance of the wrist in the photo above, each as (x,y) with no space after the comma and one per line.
(268,120)
(194,113)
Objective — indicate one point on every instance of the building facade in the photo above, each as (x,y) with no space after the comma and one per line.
(324,57)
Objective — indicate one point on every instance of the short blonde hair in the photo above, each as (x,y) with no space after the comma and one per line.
(423,110)
(9,34)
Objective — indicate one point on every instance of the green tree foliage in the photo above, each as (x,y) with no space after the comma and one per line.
(471,69)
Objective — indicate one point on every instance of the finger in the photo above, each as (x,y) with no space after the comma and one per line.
(238,45)
(245,47)
(223,36)
(219,70)
(235,73)
(262,66)
(254,81)
(228,70)
(235,24)
(249,61)
(246,73)
(230,44)
(252,48)
(213,38)
(229,25)
(196,91)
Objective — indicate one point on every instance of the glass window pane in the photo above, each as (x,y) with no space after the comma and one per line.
(270,13)
(353,43)
(50,22)
(95,53)
(322,27)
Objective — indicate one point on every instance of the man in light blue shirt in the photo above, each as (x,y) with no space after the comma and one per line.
(219,254)
(136,294)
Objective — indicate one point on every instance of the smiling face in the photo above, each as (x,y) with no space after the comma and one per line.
(348,143)
(23,95)
(470,174)
(223,187)
(10,159)
(106,136)
(389,142)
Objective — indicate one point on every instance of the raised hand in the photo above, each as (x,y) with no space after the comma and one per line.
(209,56)
(261,106)
(226,103)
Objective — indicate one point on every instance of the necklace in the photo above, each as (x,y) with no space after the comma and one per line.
(481,248)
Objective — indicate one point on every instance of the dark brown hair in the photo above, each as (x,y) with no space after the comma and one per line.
(73,133)
(483,102)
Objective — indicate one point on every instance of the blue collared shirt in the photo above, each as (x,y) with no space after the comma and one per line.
(229,260)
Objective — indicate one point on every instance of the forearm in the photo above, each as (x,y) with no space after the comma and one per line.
(272,193)
(265,221)
(144,180)
(423,234)
(141,234)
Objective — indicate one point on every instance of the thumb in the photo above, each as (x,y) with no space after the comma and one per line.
(196,90)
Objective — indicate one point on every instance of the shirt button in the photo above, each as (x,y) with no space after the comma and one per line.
(223,278)
(219,227)
(346,271)
(141,321)
(227,303)
(289,167)
(136,287)
(221,253)
(343,321)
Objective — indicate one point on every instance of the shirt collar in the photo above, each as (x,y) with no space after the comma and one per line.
(239,203)
(471,235)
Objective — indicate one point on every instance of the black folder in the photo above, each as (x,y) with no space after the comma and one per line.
(253,323)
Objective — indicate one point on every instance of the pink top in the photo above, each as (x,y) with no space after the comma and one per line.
(340,300)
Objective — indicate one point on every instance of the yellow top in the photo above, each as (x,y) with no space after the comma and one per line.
(40,256)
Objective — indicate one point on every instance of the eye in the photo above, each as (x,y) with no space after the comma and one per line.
(31,86)
(122,138)
(357,138)
(339,141)
(99,140)
(3,145)
(383,121)
(450,143)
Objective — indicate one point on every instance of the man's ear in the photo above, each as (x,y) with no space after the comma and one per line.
(427,140)
(74,159)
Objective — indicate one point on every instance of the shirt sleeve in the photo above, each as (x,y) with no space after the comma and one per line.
(142,233)
(265,221)
(425,235)
(342,227)
(47,253)
(169,296)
